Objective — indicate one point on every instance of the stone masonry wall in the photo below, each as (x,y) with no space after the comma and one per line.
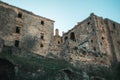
(25,30)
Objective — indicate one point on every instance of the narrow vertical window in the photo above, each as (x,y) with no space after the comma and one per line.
(17,29)
(17,43)
(41,45)
(72,36)
(19,15)
(42,36)
(42,22)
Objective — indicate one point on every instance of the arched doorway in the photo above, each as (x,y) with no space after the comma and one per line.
(7,71)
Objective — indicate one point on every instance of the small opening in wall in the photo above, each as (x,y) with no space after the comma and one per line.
(93,30)
(58,42)
(42,36)
(41,45)
(17,29)
(72,36)
(17,43)
(88,23)
(65,38)
(91,41)
(19,15)
(42,22)
(102,38)
(94,48)
(113,25)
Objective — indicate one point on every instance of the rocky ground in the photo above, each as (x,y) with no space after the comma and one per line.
(34,67)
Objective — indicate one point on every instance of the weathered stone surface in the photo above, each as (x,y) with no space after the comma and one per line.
(93,45)
(25,30)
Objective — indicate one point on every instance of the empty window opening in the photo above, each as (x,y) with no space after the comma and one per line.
(65,38)
(72,36)
(41,45)
(113,25)
(42,36)
(58,42)
(42,22)
(93,30)
(91,41)
(17,43)
(103,38)
(19,15)
(17,29)
(94,48)
(88,23)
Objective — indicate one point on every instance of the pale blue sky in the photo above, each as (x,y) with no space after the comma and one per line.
(66,13)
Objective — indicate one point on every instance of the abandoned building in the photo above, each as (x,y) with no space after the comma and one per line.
(94,40)
(97,36)
(24,29)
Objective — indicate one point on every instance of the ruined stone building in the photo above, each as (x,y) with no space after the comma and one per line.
(94,40)
(25,30)
(97,37)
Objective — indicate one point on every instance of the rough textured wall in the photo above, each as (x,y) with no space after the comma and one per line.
(113,31)
(7,23)
(90,36)
(25,30)
(34,31)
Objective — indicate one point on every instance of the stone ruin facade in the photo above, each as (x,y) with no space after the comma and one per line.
(25,30)
(94,40)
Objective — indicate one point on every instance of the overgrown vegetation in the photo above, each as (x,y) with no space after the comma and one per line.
(39,68)
(35,67)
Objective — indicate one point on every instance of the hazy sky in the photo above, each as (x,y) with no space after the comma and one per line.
(66,13)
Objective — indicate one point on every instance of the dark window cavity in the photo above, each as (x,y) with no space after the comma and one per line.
(72,36)
(58,42)
(113,25)
(94,48)
(17,43)
(42,22)
(17,29)
(42,36)
(103,38)
(65,38)
(91,41)
(88,23)
(41,45)
(19,15)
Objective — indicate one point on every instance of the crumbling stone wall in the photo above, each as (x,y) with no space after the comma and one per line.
(113,34)
(25,30)
(93,40)
(92,36)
